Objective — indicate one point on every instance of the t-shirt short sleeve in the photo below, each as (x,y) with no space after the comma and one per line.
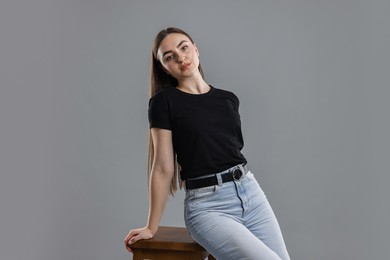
(158,114)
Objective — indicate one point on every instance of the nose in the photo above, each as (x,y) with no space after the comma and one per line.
(181,58)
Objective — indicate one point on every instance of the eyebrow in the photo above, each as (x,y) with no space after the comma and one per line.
(180,43)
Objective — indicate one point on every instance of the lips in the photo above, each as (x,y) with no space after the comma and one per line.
(185,66)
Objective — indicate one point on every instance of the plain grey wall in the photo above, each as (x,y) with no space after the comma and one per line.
(313,80)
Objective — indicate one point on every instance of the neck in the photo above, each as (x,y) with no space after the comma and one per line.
(193,86)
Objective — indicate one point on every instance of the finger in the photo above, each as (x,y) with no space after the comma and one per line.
(127,245)
(135,238)
(127,241)
(131,240)
(131,233)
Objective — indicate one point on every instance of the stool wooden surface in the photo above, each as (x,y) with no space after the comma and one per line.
(169,243)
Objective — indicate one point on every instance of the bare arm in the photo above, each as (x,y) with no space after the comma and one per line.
(161,175)
(160,180)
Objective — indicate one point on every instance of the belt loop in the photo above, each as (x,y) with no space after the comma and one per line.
(219,179)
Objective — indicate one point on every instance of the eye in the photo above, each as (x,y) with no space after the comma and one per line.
(185,47)
(168,58)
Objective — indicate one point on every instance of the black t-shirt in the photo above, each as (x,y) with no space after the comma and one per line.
(206,128)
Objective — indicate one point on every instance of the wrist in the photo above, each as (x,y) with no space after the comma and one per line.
(153,228)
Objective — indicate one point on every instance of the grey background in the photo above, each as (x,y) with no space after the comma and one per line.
(313,80)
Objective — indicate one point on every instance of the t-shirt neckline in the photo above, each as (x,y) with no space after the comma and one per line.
(211,90)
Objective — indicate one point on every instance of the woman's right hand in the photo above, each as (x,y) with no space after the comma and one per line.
(137,234)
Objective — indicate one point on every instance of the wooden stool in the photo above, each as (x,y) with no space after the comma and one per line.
(169,243)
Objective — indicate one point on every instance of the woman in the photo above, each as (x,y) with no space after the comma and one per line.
(198,126)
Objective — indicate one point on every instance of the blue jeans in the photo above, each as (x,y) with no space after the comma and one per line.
(234,221)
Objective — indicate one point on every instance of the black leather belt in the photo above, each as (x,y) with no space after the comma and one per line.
(232,175)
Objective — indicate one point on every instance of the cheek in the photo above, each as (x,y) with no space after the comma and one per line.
(169,69)
(195,55)
(196,59)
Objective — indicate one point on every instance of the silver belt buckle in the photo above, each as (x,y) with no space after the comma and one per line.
(237,174)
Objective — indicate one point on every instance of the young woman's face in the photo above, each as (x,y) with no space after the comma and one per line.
(178,55)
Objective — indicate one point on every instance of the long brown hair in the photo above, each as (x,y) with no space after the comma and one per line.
(159,79)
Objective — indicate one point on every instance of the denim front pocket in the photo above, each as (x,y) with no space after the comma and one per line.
(195,196)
